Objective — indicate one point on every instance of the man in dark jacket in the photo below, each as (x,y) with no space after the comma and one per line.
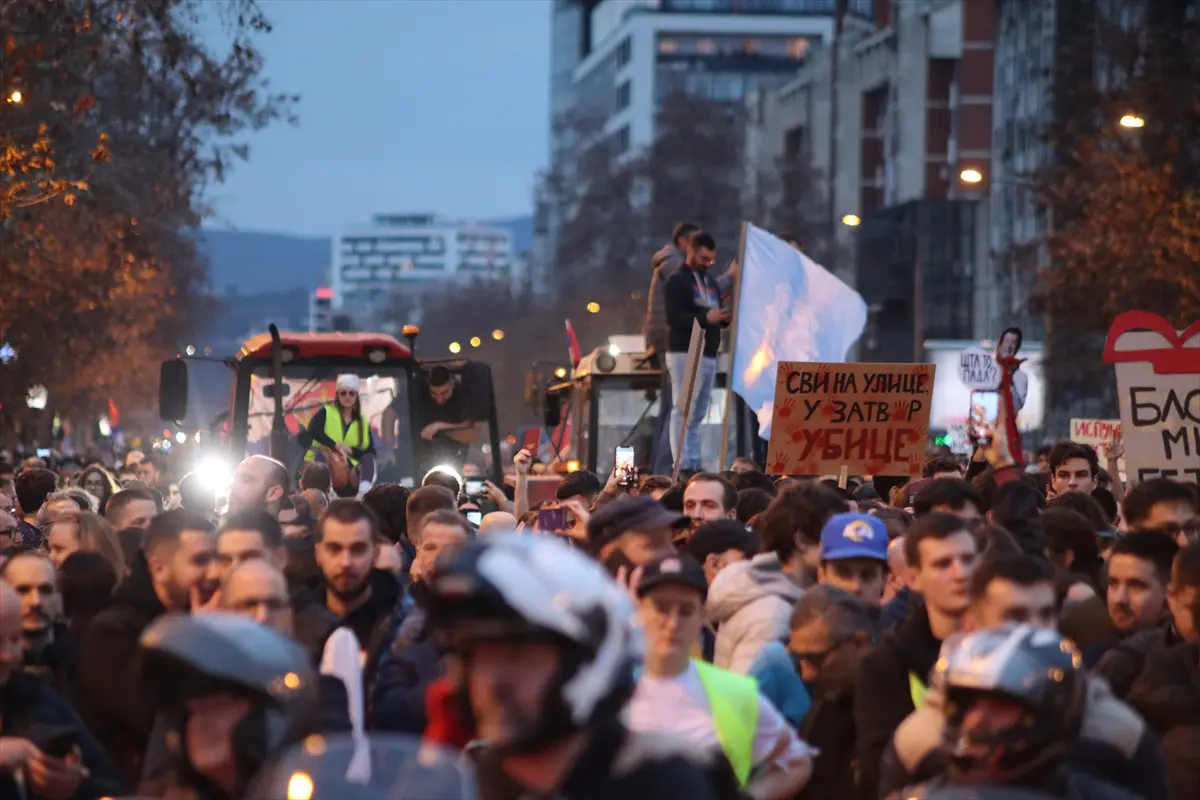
(1139,572)
(412,659)
(692,296)
(831,630)
(941,553)
(42,735)
(170,576)
(365,599)
(664,264)
(1167,695)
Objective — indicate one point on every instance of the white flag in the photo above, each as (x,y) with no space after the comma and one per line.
(790,308)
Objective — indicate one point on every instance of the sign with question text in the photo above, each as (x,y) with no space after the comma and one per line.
(872,419)
(1158,390)
(978,369)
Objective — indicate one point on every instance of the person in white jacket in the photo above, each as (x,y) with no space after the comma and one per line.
(750,603)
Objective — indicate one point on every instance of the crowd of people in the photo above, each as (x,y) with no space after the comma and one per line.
(731,635)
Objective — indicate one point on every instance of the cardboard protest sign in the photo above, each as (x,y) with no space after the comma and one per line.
(1158,387)
(871,418)
(978,369)
(1095,432)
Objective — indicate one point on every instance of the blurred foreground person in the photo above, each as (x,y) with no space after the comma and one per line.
(231,692)
(1015,701)
(548,653)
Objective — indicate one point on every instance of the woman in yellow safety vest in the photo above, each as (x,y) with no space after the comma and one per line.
(341,426)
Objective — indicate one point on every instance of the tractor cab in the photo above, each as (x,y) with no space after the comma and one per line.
(611,399)
(260,405)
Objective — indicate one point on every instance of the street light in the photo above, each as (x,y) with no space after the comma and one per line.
(1132,121)
(455,347)
(970,175)
(475,341)
(561,372)
(16,97)
(852,220)
(497,334)
(593,307)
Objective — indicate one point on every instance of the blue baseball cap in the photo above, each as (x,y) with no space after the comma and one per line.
(854,536)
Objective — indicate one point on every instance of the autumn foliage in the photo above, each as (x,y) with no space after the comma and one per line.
(115,117)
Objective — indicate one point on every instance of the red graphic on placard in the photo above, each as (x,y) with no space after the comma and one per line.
(1177,359)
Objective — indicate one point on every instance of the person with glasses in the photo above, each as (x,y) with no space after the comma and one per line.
(341,428)
(831,629)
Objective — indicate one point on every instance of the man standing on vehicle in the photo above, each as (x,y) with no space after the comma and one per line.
(444,427)
(691,295)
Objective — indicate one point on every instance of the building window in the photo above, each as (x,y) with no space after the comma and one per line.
(668,46)
(623,139)
(706,46)
(624,51)
(623,95)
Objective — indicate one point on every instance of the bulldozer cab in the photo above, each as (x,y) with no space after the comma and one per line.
(613,399)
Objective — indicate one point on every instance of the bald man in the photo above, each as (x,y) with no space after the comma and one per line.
(259,482)
(257,588)
(497,522)
(31,708)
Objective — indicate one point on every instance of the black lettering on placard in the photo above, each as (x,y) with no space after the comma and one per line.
(810,408)
(808,382)
(1146,411)
(1186,437)
(1148,473)
(865,411)
(845,383)
(892,383)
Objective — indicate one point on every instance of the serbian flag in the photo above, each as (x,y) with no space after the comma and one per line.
(574,350)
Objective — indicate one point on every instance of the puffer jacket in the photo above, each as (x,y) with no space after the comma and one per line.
(1114,745)
(751,603)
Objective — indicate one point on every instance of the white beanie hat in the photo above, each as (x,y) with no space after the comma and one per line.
(349,382)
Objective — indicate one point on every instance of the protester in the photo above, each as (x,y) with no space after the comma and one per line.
(892,680)
(854,556)
(1073,468)
(533,617)
(88,532)
(791,527)
(631,531)
(708,497)
(131,508)
(831,631)
(259,482)
(46,752)
(51,651)
(86,581)
(171,577)
(691,296)
(364,598)
(703,703)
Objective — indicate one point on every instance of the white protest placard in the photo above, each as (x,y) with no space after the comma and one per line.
(1095,432)
(1158,388)
(978,369)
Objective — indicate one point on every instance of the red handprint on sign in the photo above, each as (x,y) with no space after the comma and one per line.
(915,463)
(780,465)
(785,409)
(899,410)
(795,434)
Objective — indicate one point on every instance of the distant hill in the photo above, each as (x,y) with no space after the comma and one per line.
(251,262)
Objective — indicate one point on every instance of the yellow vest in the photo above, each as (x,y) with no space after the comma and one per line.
(916,689)
(733,699)
(355,437)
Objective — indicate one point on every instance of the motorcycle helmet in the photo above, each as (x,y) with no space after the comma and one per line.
(190,656)
(507,587)
(1015,699)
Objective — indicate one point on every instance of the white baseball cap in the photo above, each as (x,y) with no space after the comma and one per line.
(349,382)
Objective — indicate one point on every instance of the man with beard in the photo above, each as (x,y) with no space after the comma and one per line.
(366,599)
(171,575)
(50,651)
(259,482)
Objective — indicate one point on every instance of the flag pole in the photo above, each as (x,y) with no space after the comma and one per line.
(737,297)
